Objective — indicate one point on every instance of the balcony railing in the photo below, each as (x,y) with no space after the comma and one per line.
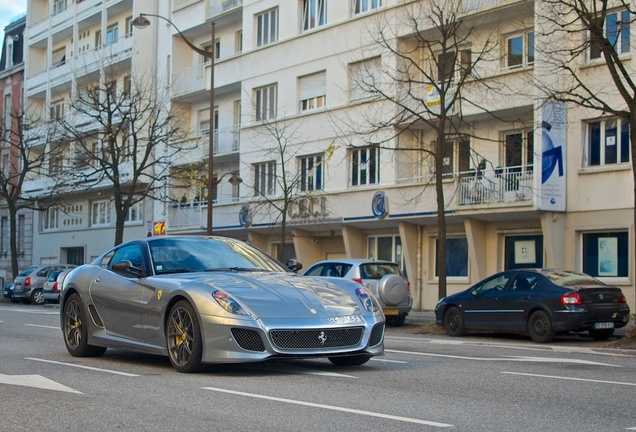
(501,185)
(226,140)
(220,6)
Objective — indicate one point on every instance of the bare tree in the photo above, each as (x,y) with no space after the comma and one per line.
(288,184)
(23,159)
(429,73)
(575,33)
(124,134)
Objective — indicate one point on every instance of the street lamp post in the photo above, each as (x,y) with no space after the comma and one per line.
(142,22)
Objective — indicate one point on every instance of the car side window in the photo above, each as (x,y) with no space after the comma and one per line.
(524,282)
(315,271)
(494,285)
(44,272)
(130,253)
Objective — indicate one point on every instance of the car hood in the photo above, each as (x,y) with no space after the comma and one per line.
(282,295)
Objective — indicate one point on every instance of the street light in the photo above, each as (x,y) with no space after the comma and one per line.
(141,22)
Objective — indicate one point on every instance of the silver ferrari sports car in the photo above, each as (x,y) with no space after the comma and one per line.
(214,300)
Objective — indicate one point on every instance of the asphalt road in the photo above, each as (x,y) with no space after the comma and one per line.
(423,383)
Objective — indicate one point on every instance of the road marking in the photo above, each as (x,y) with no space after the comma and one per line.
(570,378)
(31,311)
(82,367)
(507,358)
(35,381)
(43,326)
(388,361)
(289,368)
(330,407)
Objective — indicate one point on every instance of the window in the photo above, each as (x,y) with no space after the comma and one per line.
(127,87)
(207,47)
(59,6)
(217,49)
(100,213)
(606,254)
(519,150)
(266,102)
(267,27)
(126,253)
(7,111)
(264,178)
(607,142)
(312,91)
(456,158)
(520,50)
(311,169)
(50,219)
(388,248)
(238,41)
(112,34)
(204,121)
(111,92)
(9,55)
(129,26)
(4,233)
(58,58)
(617,31)
(447,67)
(361,6)
(365,166)
(56,158)
(364,78)
(456,257)
(20,235)
(135,213)
(314,14)
(56,111)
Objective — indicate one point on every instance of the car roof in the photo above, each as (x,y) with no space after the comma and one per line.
(355,261)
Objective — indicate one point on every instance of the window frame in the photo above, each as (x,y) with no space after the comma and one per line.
(450,254)
(266,102)
(267,27)
(100,213)
(314,14)
(311,172)
(135,215)
(623,35)
(365,6)
(594,151)
(264,173)
(527,54)
(50,219)
(356,177)
(591,242)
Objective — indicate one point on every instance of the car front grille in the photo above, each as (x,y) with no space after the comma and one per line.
(316,339)
(249,340)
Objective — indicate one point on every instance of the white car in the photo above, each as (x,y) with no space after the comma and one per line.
(383,278)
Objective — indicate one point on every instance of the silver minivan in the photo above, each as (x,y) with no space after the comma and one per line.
(28,285)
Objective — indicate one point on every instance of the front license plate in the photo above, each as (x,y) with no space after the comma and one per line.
(390,311)
(604,325)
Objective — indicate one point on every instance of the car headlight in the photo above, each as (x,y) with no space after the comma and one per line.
(228,303)
(367,300)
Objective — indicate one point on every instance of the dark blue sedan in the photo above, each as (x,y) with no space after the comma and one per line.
(536,302)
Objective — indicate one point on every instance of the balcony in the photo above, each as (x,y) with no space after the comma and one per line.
(196,79)
(193,215)
(226,140)
(219,6)
(501,185)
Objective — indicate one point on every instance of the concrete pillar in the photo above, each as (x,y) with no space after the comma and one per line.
(411,251)
(553,228)
(477,236)
(355,241)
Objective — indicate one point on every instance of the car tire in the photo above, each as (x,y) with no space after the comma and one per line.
(396,321)
(392,289)
(354,360)
(75,329)
(183,338)
(602,334)
(540,327)
(37,297)
(454,322)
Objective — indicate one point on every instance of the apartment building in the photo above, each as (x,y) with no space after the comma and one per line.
(287,100)
(293,119)
(11,83)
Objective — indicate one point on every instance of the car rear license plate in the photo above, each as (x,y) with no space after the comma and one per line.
(390,311)
(603,325)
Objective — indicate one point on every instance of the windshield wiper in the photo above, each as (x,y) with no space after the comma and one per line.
(179,270)
(235,269)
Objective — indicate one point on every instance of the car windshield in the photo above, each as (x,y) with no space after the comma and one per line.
(179,255)
(568,279)
(27,271)
(378,270)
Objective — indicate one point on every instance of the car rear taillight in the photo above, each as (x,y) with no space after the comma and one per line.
(572,298)
(54,287)
(27,281)
(622,298)
(357,280)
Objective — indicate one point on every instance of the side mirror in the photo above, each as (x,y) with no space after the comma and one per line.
(126,268)
(294,265)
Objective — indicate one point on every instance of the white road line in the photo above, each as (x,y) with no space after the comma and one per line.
(331,407)
(507,358)
(388,361)
(82,367)
(35,381)
(570,378)
(43,326)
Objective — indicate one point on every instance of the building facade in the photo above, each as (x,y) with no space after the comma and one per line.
(306,108)
(11,84)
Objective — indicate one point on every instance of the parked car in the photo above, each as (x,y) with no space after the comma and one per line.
(383,278)
(7,292)
(28,285)
(536,302)
(53,285)
(214,300)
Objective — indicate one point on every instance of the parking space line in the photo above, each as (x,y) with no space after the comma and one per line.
(82,367)
(330,407)
(569,378)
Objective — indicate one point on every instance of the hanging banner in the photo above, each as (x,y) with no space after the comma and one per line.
(551,134)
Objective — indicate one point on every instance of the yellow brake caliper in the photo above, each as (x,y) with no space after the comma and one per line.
(180,337)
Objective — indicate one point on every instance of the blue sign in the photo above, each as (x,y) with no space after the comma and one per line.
(245,217)
(379,205)
(552,189)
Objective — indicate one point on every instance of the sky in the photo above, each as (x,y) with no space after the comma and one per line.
(10,9)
